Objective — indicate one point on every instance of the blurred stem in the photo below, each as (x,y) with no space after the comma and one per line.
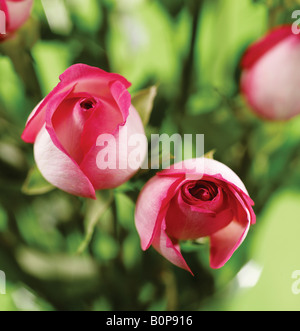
(246,160)
(248,128)
(195,7)
(102,36)
(95,210)
(282,179)
(23,64)
(115,218)
(171,289)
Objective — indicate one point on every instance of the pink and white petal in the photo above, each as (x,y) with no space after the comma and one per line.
(116,148)
(225,242)
(244,202)
(101,165)
(31,130)
(105,118)
(262,46)
(168,248)
(58,169)
(186,222)
(3,7)
(68,122)
(53,107)
(122,98)
(79,78)
(205,167)
(94,80)
(152,205)
(19,12)
(37,118)
(273,94)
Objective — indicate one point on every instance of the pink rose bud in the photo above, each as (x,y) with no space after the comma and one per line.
(186,204)
(271,75)
(16,13)
(85,114)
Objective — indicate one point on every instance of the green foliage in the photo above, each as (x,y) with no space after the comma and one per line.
(94,211)
(61,252)
(35,183)
(274,249)
(143,102)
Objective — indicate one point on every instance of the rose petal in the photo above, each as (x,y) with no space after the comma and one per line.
(187,222)
(18,13)
(59,169)
(37,118)
(122,98)
(68,122)
(79,78)
(168,248)
(244,202)
(106,118)
(3,7)
(261,47)
(270,83)
(155,195)
(224,242)
(203,166)
(91,79)
(119,151)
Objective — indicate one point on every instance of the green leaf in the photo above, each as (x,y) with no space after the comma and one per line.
(143,102)
(36,184)
(94,211)
(210,154)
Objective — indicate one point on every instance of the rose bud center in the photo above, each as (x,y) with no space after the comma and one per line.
(198,209)
(204,191)
(87,104)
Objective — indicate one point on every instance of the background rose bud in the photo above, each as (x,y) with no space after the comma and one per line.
(271,75)
(16,12)
(173,206)
(65,127)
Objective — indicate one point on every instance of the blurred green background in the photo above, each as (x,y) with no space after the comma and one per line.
(61,252)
